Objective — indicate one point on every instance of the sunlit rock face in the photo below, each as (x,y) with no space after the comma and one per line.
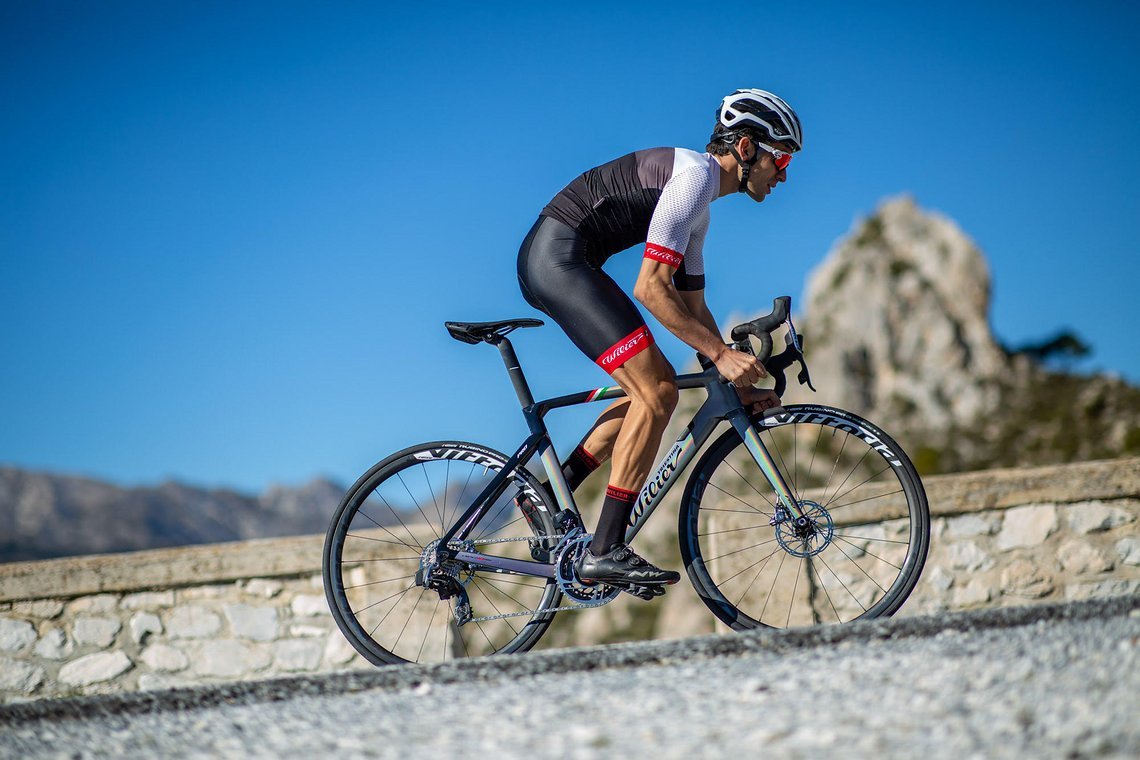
(897,318)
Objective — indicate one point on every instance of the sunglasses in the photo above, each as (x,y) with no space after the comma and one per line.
(781,158)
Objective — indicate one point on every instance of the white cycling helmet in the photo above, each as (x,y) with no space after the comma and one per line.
(762,111)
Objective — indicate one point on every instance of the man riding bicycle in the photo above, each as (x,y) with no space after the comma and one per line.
(659,197)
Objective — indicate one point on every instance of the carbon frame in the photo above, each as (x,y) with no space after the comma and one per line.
(722,404)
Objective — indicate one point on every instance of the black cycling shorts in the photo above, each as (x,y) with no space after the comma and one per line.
(557,277)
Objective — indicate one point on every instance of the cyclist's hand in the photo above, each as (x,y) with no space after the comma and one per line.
(739,368)
(758,400)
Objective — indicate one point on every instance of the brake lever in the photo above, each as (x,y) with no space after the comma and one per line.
(793,352)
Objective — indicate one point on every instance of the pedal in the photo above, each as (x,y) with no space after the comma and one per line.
(648,593)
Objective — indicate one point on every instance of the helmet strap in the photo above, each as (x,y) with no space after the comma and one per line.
(745,166)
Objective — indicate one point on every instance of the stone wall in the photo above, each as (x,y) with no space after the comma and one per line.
(147,620)
(254,609)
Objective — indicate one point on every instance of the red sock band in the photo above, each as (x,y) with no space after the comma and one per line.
(587,458)
(613,492)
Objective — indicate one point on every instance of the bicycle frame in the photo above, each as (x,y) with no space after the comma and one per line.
(722,404)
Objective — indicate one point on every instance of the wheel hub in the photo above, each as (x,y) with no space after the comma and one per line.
(804,536)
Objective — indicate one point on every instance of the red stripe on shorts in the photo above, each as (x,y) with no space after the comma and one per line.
(625,349)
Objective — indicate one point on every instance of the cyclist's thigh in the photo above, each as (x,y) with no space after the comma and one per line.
(648,376)
(587,304)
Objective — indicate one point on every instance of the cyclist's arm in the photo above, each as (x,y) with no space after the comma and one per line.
(694,301)
(655,290)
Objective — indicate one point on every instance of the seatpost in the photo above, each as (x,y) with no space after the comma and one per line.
(515,371)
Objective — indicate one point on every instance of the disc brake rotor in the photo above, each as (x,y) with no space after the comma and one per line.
(808,536)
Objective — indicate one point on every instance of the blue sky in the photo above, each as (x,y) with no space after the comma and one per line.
(230,233)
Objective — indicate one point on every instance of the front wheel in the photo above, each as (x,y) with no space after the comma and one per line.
(859,549)
(390,521)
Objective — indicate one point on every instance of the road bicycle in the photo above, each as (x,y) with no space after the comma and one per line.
(802,515)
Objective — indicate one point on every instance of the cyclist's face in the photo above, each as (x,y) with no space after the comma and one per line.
(765,175)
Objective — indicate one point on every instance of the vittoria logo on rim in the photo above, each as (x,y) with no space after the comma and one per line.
(663,254)
(626,348)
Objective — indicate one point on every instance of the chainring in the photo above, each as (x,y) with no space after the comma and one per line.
(569,549)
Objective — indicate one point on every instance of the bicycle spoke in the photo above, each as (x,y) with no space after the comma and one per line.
(792,600)
(733,511)
(823,586)
(394,606)
(784,465)
(381,559)
(390,533)
(868,538)
(738,551)
(417,503)
(742,501)
(876,556)
(415,607)
(434,612)
(755,578)
(459,504)
(495,607)
(844,585)
(415,544)
(520,583)
(846,437)
(831,508)
(856,564)
(848,477)
(774,581)
(431,490)
(491,583)
(747,482)
(734,530)
(865,482)
(374,583)
(754,564)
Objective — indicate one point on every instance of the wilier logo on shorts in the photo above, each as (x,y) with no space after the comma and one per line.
(626,347)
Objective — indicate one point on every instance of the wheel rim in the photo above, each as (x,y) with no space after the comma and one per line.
(858,556)
(382,535)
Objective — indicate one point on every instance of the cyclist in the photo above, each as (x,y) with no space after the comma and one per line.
(658,197)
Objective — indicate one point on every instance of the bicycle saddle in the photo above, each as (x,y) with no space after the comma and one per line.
(489,332)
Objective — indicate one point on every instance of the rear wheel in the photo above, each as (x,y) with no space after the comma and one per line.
(389,521)
(860,550)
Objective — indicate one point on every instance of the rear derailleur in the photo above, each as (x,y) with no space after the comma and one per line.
(439,572)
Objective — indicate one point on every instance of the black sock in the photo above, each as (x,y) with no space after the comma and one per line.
(616,510)
(578,467)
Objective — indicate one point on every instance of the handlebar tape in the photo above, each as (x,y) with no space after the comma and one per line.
(762,327)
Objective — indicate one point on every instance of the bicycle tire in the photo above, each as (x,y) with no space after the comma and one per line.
(373,548)
(869,494)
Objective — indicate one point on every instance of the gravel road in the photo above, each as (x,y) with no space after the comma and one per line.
(1047,681)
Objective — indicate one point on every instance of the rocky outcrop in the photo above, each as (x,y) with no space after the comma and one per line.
(897,326)
(899,312)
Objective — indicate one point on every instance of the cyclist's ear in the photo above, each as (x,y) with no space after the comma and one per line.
(746,146)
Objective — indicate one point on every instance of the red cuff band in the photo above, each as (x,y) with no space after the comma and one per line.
(663,254)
